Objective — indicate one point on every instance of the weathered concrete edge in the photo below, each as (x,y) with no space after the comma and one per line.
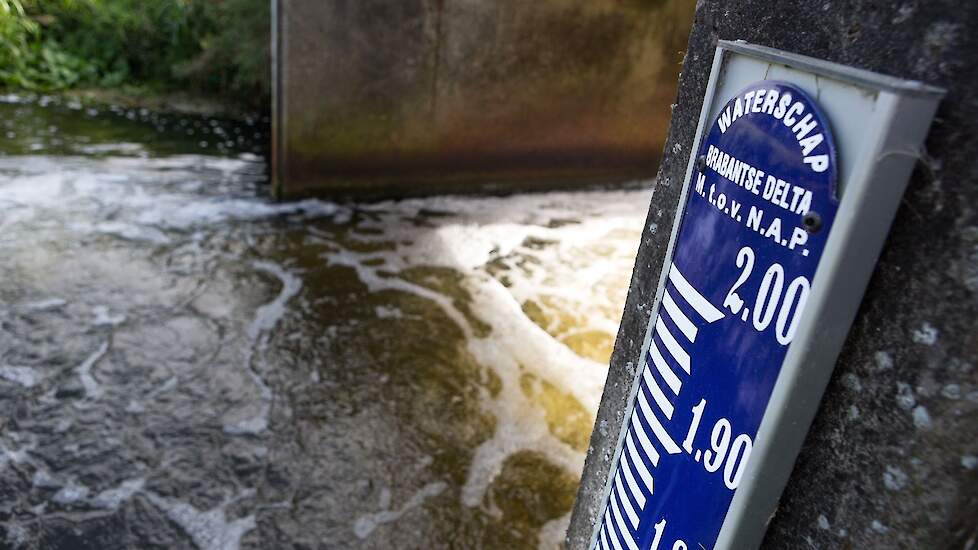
(277,126)
(656,236)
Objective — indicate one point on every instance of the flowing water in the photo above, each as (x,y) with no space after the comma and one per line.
(185,364)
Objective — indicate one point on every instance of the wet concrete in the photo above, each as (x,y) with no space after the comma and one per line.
(186,364)
(426,96)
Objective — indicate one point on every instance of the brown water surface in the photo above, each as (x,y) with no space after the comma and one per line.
(185,364)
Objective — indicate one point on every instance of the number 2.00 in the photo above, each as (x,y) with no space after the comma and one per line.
(770,294)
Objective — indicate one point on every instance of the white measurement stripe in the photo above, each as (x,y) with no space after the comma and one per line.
(695,299)
(660,398)
(626,535)
(644,440)
(636,492)
(678,317)
(605,545)
(639,464)
(672,345)
(626,503)
(597,544)
(612,534)
(660,432)
(665,371)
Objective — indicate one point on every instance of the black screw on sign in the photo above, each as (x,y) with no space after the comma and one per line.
(811,221)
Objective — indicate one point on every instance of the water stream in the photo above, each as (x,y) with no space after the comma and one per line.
(186,364)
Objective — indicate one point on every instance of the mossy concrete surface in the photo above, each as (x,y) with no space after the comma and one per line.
(380,98)
(890,460)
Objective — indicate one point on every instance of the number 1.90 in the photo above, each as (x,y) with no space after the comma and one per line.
(722,453)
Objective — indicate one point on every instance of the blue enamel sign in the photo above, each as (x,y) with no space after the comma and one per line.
(757,215)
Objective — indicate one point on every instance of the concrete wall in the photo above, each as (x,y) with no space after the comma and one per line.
(389,98)
(889,461)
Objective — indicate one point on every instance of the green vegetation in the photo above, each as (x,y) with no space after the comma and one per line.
(199,46)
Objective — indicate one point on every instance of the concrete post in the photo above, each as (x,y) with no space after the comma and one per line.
(380,98)
(890,460)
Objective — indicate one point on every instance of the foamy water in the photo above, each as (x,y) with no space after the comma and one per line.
(249,374)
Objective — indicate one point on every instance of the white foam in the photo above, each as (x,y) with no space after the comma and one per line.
(552,533)
(214,211)
(520,424)
(249,426)
(268,315)
(131,232)
(102,317)
(366,524)
(210,529)
(581,271)
(123,148)
(139,199)
(17,535)
(45,305)
(71,493)
(92,388)
(258,423)
(577,268)
(25,376)
(112,498)
(44,480)
(384,312)
(17,456)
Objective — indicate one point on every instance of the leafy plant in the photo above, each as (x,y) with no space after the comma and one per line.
(205,46)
